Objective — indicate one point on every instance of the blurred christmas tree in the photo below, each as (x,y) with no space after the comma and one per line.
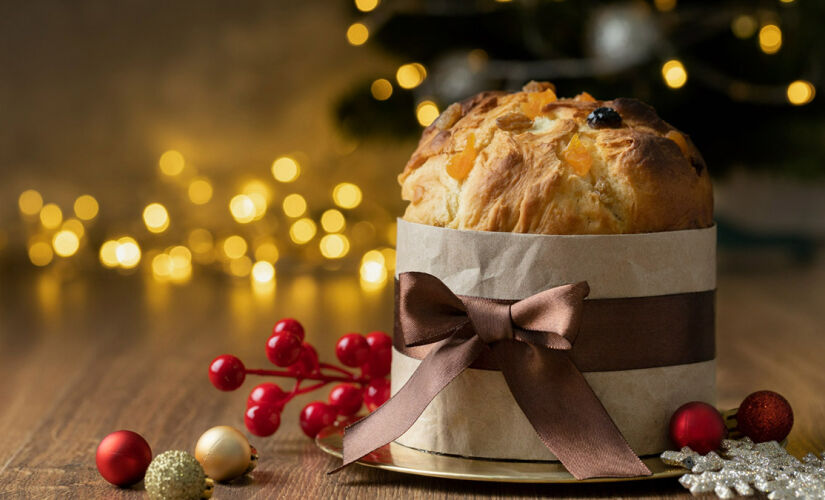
(740,77)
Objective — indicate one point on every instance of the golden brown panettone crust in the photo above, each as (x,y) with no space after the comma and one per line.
(641,178)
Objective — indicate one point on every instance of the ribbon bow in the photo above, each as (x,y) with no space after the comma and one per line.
(530,340)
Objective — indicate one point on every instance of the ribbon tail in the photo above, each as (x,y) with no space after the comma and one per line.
(565,412)
(392,419)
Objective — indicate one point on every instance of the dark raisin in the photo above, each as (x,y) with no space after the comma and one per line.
(604,118)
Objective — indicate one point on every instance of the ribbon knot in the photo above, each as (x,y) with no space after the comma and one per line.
(530,340)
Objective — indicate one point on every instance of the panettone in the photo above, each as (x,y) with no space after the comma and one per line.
(529,162)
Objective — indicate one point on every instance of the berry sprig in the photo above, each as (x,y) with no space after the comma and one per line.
(286,348)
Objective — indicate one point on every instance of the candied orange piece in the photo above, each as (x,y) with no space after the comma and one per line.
(536,101)
(584,96)
(577,156)
(680,141)
(460,165)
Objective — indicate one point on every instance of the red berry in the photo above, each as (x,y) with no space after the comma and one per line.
(352,350)
(289,325)
(697,425)
(376,393)
(380,359)
(307,363)
(346,399)
(283,349)
(267,394)
(315,416)
(226,372)
(262,420)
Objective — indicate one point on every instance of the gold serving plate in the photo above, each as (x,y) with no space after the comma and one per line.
(399,458)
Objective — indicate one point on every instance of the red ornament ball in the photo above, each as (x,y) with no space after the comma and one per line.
(283,349)
(226,372)
(266,394)
(352,350)
(346,399)
(376,393)
(765,416)
(697,425)
(289,325)
(262,420)
(123,457)
(315,416)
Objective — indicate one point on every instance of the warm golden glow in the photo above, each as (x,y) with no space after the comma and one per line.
(263,272)
(242,208)
(366,5)
(40,254)
(373,256)
(477,59)
(162,265)
(665,5)
(426,112)
(51,216)
(743,26)
(180,259)
(74,226)
(302,230)
(65,243)
(357,34)
(373,272)
(156,218)
(30,202)
(389,257)
(240,267)
(801,92)
(267,251)
(127,252)
(86,207)
(333,221)
(108,254)
(259,201)
(285,169)
(200,191)
(674,74)
(381,89)
(200,241)
(234,247)
(410,75)
(171,162)
(334,246)
(770,39)
(347,195)
(294,205)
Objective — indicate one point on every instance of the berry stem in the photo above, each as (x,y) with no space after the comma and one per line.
(337,369)
(318,377)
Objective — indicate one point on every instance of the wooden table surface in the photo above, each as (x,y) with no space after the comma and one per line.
(82,356)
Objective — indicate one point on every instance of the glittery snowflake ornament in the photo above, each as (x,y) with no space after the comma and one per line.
(744,467)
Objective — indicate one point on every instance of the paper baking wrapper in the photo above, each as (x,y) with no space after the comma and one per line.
(476,415)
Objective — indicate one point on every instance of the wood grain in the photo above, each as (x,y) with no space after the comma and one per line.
(80,358)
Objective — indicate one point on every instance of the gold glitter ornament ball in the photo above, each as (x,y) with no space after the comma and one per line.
(225,453)
(176,475)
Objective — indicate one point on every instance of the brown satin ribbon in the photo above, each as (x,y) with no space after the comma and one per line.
(530,341)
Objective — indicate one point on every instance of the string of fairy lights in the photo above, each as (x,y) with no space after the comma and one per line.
(54,235)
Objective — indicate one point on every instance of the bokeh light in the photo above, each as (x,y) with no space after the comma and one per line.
(30,202)
(86,207)
(302,230)
(286,169)
(65,243)
(294,205)
(263,271)
(334,246)
(674,73)
(200,240)
(800,92)
(127,252)
(268,251)
(260,195)
(40,253)
(74,226)
(200,191)
(235,246)
(156,218)
(108,254)
(51,216)
(333,221)
(241,266)
(373,271)
(171,163)
(347,195)
(381,89)
(410,75)
(426,112)
(357,34)
(743,26)
(770,39)
(242,208)
(665,5)
(366,5)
